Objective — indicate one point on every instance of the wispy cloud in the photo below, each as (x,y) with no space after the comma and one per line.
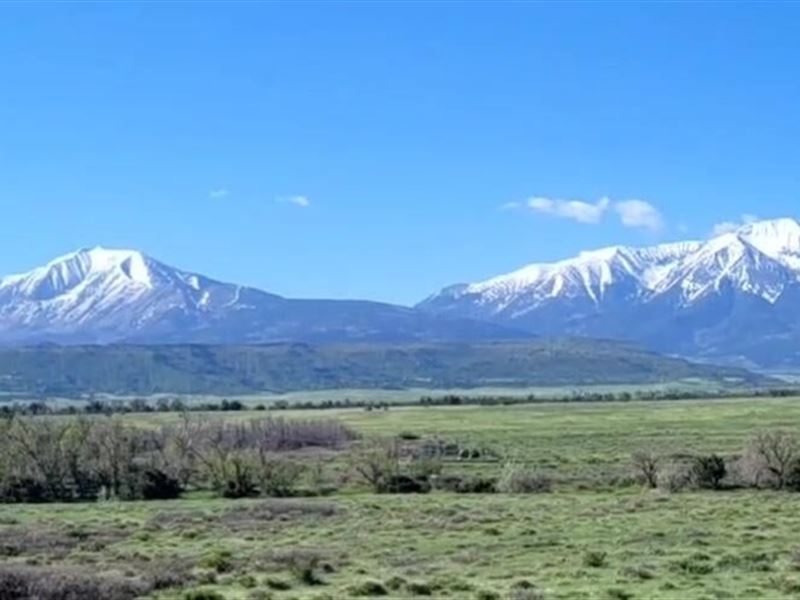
(636,214)
(219,193)
(724,227)
(639,214)
(299,201)
(575,210)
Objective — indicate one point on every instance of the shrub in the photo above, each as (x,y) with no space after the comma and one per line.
(395,583)
(618,594)
(277,476)
(168,575)
(466,485)
(202,595)
(708,471)
(150,484)
(389,468)
(405,484)
(641,572)
(24,582)
(674,477)
(517,479)
(418,588)
(220,561)
(16,488)
(525,590)
(304,568)
(369,587)
(595,559)
(696,564)
(279,585)
(237,479)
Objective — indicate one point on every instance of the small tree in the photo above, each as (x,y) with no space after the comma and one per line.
(378,464)
(773,456)
(646,465)
(708,471)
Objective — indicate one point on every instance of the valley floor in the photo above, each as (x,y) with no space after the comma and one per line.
(597,535)
(629,544)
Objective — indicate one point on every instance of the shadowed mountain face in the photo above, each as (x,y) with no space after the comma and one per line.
(735,297)
(230,369)
(104,296)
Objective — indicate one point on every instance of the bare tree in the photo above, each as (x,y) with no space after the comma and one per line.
(378,463)
(646,465)
(773,455)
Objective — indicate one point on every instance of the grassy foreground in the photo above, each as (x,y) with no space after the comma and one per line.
(584,540)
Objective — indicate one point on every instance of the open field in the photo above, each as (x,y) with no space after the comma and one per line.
(575,441)
(404,396)
(596,535)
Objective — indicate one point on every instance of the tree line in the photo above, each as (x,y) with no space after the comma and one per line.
(179,405)
(81,459)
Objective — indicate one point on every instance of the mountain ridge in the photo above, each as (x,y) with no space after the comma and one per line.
(688,298)
(100,295)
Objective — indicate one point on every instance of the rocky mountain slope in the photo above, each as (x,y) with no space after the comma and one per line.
(735,297)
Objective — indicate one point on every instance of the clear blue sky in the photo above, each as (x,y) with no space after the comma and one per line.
(191,131)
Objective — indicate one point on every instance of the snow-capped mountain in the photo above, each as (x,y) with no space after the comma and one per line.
(99,295)
(735,296)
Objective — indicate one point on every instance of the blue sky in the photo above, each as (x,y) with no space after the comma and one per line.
(383,151)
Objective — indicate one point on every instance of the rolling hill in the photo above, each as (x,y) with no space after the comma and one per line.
(226,369)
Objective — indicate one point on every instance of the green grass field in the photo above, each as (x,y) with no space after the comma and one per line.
(586,539)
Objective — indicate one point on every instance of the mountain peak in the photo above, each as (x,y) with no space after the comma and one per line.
(772,226)
(85,262)
(100,257)
(775,238)
(101,295)
(694,296)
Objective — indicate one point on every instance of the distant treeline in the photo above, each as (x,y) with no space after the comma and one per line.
(178,405)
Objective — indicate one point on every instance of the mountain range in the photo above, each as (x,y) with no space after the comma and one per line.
(733,298)
(102,296)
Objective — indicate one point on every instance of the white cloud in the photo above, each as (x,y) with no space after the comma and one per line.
(299,201)
(639,214)
(575,210)
(724,227)
(632,213)
(219,193)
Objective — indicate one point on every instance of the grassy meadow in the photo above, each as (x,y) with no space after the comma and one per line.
(597,534)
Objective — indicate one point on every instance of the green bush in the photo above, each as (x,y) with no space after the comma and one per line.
(220,561)
(708,471)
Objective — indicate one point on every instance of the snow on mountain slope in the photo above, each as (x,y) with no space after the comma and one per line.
(103,294)
(99,295)
(661,295)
